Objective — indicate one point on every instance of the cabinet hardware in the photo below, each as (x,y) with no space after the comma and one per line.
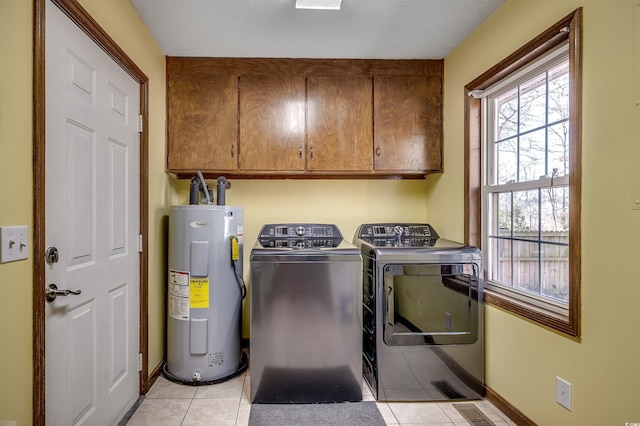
(233,150)
(378,152)
(311,153)
(300,153)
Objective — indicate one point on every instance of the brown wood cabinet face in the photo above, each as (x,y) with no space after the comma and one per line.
(407,123)
(339,124)
(365,118)
(272,123)
(202,122)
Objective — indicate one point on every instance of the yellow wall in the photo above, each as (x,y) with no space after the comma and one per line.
(523,359)
(16,208)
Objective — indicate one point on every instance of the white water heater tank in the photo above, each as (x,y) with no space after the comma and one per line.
(204,297)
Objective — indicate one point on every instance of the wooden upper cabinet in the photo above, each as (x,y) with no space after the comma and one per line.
(202,122)
(339,120)
(407,123)
(257,117)
(272,123)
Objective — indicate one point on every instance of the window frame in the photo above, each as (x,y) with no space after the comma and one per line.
(568,29)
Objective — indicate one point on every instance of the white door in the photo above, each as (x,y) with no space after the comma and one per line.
(92,218)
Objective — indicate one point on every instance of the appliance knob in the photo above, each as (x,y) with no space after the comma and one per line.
(300,230)
(398,230)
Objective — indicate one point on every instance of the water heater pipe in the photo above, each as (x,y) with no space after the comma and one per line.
(223,185)
(204,188)
(194,191)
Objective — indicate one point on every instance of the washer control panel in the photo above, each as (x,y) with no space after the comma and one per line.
(300,235)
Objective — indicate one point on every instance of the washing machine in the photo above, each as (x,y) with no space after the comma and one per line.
(423,320)
(306,315)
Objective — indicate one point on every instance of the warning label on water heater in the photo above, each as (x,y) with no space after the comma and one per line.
(178,300)
(199,293)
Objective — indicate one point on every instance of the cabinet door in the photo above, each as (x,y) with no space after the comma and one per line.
(202,122)
(339,120)
(408,123)
(272,123)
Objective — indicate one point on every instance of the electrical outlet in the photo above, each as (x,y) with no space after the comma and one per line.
(563,393)
(13,243)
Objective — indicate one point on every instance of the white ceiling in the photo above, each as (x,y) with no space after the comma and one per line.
(369,29)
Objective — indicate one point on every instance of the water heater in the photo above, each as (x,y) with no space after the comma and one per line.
(204,294)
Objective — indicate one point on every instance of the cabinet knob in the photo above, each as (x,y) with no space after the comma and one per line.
(378,152)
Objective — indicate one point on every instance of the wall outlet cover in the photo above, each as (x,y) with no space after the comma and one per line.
(563,393)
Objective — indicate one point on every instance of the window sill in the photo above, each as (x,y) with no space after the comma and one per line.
(537,314)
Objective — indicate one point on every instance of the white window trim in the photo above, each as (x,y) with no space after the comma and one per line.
(549,60)
(525,73)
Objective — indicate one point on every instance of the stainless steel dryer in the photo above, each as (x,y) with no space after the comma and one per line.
(422,314)
(306,316)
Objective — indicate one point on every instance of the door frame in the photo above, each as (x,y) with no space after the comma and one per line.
(85,22)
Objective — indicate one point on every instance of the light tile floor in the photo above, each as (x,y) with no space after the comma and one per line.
(227,403)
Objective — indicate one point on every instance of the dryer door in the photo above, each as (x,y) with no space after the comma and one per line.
(430,304)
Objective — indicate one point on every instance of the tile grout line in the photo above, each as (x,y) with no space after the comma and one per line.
(244,379)
(394,414)
(187,411)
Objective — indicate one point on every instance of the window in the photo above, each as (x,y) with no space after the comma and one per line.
(523,177)
(525,189)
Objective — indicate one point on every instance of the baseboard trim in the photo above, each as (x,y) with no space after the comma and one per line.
(155,373)
(515,415)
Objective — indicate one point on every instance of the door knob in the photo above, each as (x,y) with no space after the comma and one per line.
(51,292)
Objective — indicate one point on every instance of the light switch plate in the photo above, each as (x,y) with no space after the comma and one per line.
(14,243)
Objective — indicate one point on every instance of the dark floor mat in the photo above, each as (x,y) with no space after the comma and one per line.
(338,414)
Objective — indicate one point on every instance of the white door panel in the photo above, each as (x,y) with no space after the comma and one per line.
(82,361)
(92,217)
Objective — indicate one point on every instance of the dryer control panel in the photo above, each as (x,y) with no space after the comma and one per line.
(300,235)
(398,234)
